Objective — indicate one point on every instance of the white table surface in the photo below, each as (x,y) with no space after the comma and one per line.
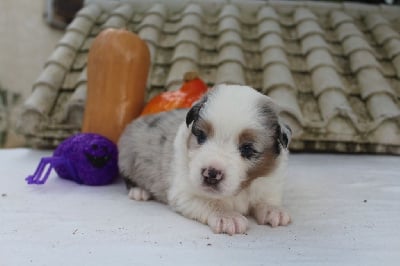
(345,210)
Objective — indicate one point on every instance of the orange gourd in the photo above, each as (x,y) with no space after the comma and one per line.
(117,69)
(192,90)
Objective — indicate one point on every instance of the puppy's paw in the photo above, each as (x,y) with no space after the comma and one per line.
(228,222)
(274,216)
(137,193)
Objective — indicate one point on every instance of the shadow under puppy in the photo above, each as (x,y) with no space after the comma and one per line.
(221,160)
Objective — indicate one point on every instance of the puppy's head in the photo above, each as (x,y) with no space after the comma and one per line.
(235,137)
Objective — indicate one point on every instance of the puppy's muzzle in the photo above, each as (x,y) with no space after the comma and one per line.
(211,176)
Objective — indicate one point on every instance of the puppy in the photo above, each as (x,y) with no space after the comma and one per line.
(221,160)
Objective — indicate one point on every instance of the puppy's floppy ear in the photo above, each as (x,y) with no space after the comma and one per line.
(270,112)
(285,134)
(194,112)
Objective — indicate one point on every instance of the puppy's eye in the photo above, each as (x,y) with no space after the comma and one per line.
(247,151)
(200,136)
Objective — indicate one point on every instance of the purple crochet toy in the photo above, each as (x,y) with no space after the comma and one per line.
(85,158)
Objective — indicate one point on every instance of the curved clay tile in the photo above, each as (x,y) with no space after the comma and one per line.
(193,9)
(327,85)
(79,61)
(73,112)
(230,11)
(273,55)
(186,50)
(62,55)
(355,43)
(183,60)
(382,106)
(319,57)
(36,108)
(91,12)
(116,22)
(287,101)
(347,30)
(151,26)
(81,24)
(155,21)
(392,48)
(229,38)
(192,21)
(269,26)
(124,10)
(190,35)
(159,9)
(396,64)
(277,80)
(337,114)
(52,76)
(231,53)
(266,13)
(384,33)
(271,40)
(372,20)
(338,17)
(228,24)
(325,78)
(302,14)
(372,82)
(277,75)
(41,99)
(119,17)
(230,59)
(312,42)
(386,36)
(72,39)
(363,59)
(231,73)
(308,27)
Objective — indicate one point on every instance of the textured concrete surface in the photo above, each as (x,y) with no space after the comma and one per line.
(345,211)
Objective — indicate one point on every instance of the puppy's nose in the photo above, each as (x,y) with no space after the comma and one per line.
(211,176)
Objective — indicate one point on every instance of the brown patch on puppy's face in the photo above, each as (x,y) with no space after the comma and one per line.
(263,145)
(257,148)
(263,167)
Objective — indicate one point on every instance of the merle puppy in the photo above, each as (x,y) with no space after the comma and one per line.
(223,159)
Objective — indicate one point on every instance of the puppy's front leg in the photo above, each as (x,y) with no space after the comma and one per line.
(229,222)
(217,215)
(266,202)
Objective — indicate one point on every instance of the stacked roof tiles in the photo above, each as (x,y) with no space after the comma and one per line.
(334,68)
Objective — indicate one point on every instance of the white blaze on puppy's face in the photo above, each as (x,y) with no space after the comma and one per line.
(234,139)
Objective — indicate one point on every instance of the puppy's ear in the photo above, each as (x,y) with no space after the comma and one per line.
(270,113)
(285,135)
(194,112)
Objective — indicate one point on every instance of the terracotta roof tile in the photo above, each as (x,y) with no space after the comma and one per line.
(334,68)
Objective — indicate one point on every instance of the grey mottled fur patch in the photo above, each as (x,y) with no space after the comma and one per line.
(145,151)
